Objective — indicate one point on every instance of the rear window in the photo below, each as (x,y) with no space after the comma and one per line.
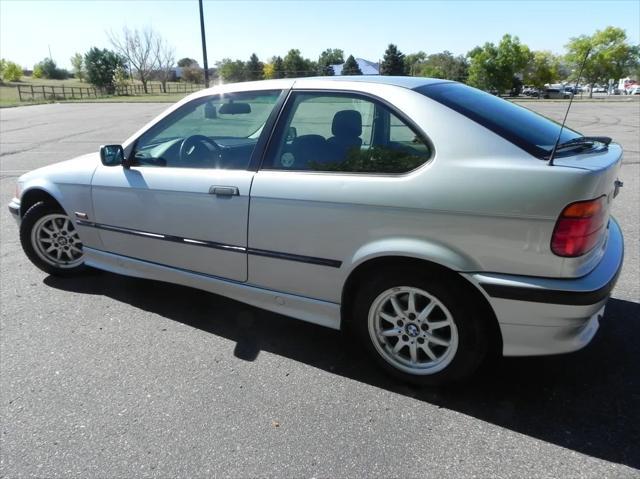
(528,130)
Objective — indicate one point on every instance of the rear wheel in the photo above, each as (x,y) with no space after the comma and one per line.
(418,331)
(50,240)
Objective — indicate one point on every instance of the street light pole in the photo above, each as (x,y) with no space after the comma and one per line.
(204,47)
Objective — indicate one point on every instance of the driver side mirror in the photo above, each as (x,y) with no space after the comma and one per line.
(112,155)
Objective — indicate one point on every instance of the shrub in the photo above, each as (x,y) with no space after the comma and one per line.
(193,74)
(120,78)
(9,71)
(38,72)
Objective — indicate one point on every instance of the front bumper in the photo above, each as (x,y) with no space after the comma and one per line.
(14,209)
(539,316)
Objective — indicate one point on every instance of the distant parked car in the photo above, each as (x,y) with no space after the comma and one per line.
(556,93)
(423,215)
(635,91)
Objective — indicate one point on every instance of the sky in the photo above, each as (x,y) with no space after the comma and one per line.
(364,28)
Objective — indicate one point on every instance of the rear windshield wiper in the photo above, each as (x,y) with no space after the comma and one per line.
(584,141)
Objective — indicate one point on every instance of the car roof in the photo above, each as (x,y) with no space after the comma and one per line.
(284,83)
(401,81)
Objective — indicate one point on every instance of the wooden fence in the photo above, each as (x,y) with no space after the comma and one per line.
(62,92)
(156,88)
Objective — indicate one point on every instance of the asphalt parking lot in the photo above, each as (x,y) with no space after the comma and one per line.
(108,376)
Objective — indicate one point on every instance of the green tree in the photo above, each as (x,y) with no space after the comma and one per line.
(187,62)
(254,68)
(101,65)
(543,69)
(412,60)
(496,67)
(611,55)
(10,71)
(483,67)
(513,58)
(444,65)
(77,62)
(50,70)
(278,67)
(328,58)
(232,71)
(351,67)
(393,61)
(296,66)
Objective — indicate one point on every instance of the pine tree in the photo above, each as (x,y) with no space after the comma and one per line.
(254,68)
(278,67)
(351,67)
(393,61)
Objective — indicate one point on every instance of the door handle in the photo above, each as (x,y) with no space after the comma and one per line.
(224,190)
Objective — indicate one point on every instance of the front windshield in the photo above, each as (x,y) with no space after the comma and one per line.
(528,130)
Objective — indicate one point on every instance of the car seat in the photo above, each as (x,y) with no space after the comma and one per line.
(346,129)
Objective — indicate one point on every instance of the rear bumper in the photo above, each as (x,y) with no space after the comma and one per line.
(14,209)
(539,316)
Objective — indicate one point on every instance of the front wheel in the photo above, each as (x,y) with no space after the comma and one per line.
(50,240)
(422,330)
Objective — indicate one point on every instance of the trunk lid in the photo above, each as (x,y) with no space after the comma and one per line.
(604,165)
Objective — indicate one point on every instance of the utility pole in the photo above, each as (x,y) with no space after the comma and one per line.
(204,47)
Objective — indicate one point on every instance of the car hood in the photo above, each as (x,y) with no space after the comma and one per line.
(78,171)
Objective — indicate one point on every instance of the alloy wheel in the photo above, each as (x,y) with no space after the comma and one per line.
(413,330)
(56,241)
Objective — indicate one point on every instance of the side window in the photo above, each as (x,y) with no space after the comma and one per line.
(344,132)
(212,132)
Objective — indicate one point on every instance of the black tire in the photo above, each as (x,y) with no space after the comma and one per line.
(29,221)
(470,319)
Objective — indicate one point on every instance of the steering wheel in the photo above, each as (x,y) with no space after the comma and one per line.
(194,144)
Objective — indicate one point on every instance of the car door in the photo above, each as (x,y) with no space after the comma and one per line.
(333,162)
(184,200)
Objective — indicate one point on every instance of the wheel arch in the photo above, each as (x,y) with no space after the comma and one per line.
(381,263)
(34,194)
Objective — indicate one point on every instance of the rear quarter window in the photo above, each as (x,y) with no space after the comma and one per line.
(530,131)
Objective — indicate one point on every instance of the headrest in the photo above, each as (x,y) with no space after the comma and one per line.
(347,123)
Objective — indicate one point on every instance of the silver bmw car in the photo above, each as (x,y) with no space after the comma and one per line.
(438,223)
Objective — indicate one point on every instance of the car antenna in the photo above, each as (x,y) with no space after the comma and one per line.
(575,88)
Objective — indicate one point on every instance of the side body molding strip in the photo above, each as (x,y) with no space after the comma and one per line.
(331,263)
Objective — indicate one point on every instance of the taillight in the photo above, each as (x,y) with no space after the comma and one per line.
(579,227)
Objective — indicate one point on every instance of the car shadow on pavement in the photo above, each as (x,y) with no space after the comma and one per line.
(587,401)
